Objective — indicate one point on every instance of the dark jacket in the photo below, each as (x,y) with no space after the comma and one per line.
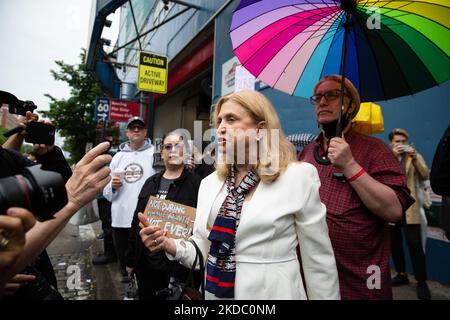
(203,169)
(440,179)
(184,190)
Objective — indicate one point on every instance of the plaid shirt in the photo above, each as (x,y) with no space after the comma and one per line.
(360,239)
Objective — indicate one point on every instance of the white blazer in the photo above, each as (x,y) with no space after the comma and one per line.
(278,217)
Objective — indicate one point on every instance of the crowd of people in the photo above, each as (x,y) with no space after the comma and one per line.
(26,270)
(272,222)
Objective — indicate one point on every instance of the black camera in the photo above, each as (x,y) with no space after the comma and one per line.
(40,191)
(39,132)
(21,107)
(16,106)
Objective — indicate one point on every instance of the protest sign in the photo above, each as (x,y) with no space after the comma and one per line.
(175,218)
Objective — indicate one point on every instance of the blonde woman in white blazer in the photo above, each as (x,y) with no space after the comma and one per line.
(254,211)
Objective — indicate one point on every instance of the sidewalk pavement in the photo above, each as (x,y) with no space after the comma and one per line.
(107,277)
(71,255)
(438,290)
(76,246)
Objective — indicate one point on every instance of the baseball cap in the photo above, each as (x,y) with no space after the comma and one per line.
(135,120)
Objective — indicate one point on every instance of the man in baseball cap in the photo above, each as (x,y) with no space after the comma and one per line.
(135,120)
(131,167)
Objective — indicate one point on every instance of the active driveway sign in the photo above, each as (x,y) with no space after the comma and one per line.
(152,74)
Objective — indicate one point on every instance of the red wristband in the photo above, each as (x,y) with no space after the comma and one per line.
(357,175)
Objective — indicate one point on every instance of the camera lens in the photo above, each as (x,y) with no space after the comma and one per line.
(40,191)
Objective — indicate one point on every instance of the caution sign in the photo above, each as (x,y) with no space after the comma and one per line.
(152,74)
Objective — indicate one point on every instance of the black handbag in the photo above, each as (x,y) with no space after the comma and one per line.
(188,290)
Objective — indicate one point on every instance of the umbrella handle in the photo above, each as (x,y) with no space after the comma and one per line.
(319,159)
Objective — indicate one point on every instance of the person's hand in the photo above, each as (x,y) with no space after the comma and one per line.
(13,227)
(15,141)
(116,182)
(30,116)
(23,121)
(398,149)
(154,239)
(130,272)
(340,154)
(89,177)
(190,164)
(15,283)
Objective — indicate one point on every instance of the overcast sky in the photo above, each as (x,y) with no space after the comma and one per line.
(35,33)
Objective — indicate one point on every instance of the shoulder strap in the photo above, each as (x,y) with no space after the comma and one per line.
(202,268)
(198,256)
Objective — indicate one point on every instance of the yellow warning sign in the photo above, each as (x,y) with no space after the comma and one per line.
(152,72)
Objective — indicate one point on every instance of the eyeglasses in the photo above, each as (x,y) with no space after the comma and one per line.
(134,128)
(170,146)
(329,96)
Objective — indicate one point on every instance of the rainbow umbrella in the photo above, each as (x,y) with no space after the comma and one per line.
(394,48)
(387,48)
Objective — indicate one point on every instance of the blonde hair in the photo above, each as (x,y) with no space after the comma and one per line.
(349,89)
(261,110)
(398,131)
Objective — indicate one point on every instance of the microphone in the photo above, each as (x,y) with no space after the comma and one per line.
(15,130)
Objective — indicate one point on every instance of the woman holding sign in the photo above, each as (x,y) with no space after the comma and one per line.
(175,183)
(254,211)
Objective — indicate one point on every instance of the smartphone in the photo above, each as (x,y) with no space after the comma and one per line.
(407,148)
(190,147)
(41,133)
